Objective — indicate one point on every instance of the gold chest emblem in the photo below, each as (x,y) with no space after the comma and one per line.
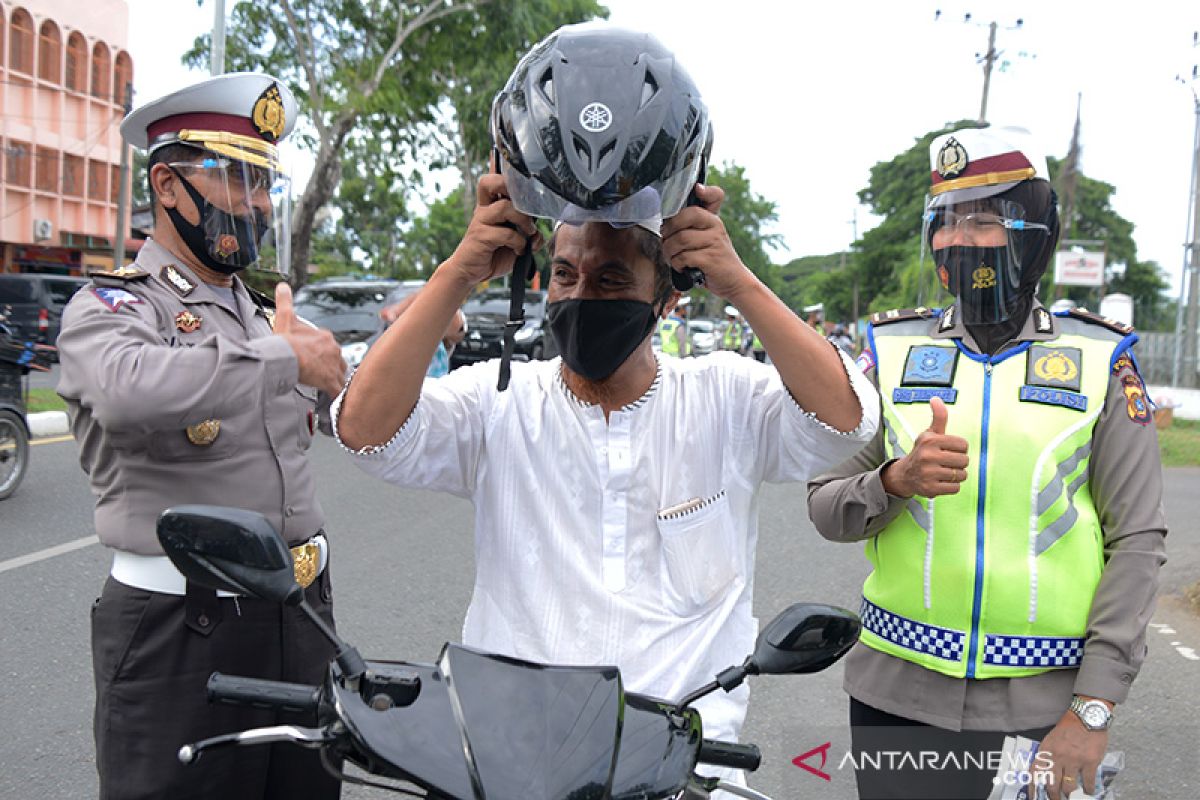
(983,278)
(268,116)
(187,322)
(1055,366)
(204,433)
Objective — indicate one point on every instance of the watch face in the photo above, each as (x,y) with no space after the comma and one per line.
(1095,715)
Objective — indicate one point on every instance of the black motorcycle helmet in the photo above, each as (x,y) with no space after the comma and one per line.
(600,123)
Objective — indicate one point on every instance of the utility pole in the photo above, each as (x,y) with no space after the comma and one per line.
(1185,355)
(988,58)
(216,59)
(123,191)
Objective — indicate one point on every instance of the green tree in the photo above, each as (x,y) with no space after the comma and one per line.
(747,215)
(378,67)
(433,237)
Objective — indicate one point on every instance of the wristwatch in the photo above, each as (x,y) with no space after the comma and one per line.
(1094,715)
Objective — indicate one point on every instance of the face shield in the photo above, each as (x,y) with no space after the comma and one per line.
(972,250)
(243,196)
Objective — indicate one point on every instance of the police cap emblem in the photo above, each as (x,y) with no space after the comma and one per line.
(952,159)
(268,114)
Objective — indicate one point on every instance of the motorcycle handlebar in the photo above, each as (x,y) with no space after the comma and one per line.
(730,754)
(263,693)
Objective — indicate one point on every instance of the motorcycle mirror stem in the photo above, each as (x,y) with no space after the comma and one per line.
(805,637)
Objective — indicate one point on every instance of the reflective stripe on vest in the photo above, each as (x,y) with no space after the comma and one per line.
(998,579)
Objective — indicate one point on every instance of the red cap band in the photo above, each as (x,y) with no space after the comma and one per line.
(232,123)
(1005,162)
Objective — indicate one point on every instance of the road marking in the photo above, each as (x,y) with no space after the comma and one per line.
(1187,652)
(49,552)
(51,440)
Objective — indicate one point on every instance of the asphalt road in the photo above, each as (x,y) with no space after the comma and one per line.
(402,571)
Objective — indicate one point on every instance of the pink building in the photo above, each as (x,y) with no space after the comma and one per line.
(65,75)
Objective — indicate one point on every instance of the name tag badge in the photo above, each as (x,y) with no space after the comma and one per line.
(903,395)
(929,365)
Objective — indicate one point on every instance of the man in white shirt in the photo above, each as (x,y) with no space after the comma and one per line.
(616,493)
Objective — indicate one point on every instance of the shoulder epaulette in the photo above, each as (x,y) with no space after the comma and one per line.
(262,299)
(1095,319)
(118,277)
(901,315)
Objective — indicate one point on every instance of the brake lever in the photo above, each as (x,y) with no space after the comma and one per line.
(304,737)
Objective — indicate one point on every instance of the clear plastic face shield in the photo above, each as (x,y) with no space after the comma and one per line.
(971,250)
(245,216)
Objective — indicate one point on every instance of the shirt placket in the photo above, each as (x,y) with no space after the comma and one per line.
(615,460)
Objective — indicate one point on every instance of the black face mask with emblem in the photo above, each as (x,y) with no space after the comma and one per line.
(222,241)
(984,279)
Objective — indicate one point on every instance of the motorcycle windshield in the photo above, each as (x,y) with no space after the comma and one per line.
(535,732)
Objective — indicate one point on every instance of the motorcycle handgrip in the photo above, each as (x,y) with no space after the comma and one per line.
(730,754)
(261,693)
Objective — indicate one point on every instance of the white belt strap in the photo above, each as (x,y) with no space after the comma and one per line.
(158,574)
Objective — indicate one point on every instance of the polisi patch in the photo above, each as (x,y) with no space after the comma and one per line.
(929,365)
(1053,397)
(1054,367)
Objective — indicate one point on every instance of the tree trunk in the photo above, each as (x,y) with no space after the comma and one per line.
(321,185)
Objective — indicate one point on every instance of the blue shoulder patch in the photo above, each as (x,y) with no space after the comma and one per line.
(114,297)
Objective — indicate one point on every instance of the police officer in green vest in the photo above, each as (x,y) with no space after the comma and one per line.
(732,337)
(673,332)
(1011,504)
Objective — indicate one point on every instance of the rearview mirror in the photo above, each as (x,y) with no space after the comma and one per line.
(231,550)
(806,637)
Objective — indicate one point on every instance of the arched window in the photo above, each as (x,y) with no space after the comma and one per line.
(50,53)
(101,71)
(123,79)
(20,42)
(76,62)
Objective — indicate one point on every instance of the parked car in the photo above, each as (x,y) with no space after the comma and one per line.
(704,336)
(486,314)
(348,308)
(33,303)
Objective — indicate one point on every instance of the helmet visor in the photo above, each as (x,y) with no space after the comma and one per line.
(972,250)
(660,199)
(257,199)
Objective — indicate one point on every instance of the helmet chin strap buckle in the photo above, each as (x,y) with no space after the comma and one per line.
(685,279)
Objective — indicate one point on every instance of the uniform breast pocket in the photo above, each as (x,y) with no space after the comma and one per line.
(210,440)
(702,555)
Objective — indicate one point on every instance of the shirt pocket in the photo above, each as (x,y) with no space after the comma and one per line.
(701,554)
(174,446)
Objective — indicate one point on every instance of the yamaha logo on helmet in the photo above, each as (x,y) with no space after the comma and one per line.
(595,117)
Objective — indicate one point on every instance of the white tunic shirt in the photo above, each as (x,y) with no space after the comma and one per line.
(627,542)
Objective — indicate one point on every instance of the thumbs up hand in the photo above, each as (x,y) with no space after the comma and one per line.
(937,464)
(318,354)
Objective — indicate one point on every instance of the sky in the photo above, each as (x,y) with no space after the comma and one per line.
(808,96)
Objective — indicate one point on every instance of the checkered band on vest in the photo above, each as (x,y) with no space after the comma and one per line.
(1033,651)
(919,637)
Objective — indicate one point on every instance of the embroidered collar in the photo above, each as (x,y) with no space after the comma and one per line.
(641,401)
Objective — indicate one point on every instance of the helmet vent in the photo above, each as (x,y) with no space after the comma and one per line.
(649,89)
(605,152)
(582,150)
(546,86)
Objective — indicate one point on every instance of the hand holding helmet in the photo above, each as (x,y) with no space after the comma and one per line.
(696,238)
(496,235)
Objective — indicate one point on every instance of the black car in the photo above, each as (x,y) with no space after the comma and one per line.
(486,314)
(348,308)
(33,303)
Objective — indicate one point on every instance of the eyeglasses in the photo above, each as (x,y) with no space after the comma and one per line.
(254,178)
(978,223)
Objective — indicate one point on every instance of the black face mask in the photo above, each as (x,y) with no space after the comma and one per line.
(984,280)
(222,241)
(596,336)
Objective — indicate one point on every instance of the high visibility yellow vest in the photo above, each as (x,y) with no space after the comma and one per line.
(997,580)
(732,338)
(666,334)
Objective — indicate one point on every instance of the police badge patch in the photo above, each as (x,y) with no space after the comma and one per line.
(1054,367)
(113,298)
(1137,403)
(930,365)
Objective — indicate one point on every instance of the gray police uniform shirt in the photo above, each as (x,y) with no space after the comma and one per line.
(849,504)
(147,364)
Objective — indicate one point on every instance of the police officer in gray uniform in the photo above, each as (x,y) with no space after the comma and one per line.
(180,392)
